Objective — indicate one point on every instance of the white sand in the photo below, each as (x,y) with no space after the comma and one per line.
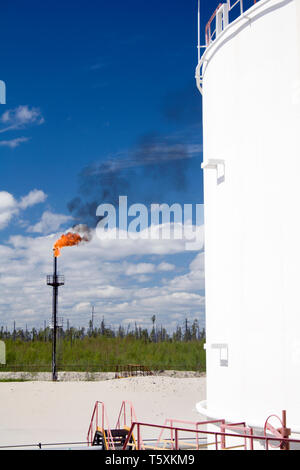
(33,412)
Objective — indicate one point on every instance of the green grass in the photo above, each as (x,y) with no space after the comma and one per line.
(104,354)
(12,380)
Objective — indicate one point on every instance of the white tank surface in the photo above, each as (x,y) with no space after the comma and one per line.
(249,75)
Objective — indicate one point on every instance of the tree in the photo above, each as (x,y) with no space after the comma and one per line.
(153,333)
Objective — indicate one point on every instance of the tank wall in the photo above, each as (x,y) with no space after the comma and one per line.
(251,106)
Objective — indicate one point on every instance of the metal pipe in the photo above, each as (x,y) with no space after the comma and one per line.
(176,439)
(199,30)
(54,314)
(139,436)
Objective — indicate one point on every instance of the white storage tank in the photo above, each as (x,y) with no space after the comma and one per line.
(250,79)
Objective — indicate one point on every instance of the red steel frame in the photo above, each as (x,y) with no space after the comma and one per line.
(266,440)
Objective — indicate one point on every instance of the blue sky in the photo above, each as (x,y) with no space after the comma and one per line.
(91,84)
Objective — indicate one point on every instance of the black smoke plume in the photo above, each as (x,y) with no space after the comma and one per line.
(154,171)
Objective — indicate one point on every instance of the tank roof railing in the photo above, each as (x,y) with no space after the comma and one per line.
(219,20)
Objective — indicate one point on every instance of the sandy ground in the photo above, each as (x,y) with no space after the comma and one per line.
(47,412)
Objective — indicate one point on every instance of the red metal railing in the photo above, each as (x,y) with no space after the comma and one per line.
(124,413)
(242,428)
(279,438)
(192,423)
(218,22)
(210,33)
(217,441)
(127,412)
(99,421)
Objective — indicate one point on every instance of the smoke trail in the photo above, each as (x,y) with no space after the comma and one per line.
(157,166)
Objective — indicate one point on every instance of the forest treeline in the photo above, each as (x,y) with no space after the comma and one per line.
(188,332)
(103,349)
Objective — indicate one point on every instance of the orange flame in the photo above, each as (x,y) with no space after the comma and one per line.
(69,239)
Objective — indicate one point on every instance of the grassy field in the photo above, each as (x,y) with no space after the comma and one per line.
(104,354)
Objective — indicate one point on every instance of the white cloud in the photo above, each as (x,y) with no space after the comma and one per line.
(7,201)
(10,207)
(83,307)
(23,115)
(193,280)
(34,197)
(147,268)
(49,223)
(98,273)
(20,117)
(152,240)
(14,142)
(166,267)
(141,268)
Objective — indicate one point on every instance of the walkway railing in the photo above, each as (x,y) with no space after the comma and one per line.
(218,22)
(99,421)
(195,425)
(221,18)
(126,412)
(212,440)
